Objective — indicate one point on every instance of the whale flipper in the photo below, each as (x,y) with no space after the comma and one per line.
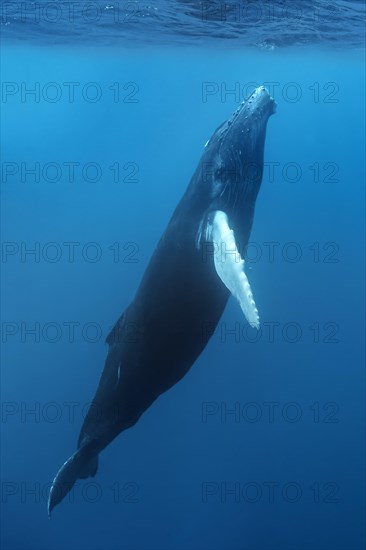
(79,466)
(230,267)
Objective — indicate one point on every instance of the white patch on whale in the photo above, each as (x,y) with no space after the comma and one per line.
(230,267)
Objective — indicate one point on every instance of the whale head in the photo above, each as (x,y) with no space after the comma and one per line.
(232,164)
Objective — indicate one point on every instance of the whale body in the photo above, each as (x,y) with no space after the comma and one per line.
(198,262)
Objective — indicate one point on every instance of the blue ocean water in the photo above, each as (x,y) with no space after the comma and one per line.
(262,445)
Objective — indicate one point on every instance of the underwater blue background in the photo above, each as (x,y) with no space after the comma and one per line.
(294,451)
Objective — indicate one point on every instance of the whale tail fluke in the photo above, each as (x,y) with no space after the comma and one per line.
(80,465)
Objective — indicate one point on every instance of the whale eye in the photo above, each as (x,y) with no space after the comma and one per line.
(219,172)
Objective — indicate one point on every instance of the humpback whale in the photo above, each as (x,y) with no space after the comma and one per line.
(197,263)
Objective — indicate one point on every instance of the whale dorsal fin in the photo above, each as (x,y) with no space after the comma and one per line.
(230,267)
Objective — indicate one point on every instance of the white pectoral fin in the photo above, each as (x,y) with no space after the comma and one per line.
(230,267)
